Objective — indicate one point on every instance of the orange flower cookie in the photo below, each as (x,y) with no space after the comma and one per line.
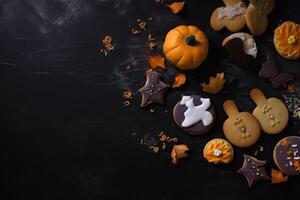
(287,40)
(218,151)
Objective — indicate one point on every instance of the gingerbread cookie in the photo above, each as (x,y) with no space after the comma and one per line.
(242,48)
(253,170)
(153,90)
(286,155)
(287,40)
(257,15)
(241,128)
(271,113)
(194,114)
(231,16)
(218,151)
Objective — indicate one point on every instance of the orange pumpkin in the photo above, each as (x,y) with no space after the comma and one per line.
(287,40)
(186,47)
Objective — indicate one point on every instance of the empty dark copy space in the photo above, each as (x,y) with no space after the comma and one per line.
(64,130)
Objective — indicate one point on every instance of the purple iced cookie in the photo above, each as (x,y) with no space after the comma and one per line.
(286,155)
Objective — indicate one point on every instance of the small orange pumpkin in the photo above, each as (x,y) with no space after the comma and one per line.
(287,40)
(186,47)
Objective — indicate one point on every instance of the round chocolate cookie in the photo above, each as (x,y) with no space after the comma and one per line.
(286,155)
(195,115)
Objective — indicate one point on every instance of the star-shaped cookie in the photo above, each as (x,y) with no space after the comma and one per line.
(253,169)
(154,89)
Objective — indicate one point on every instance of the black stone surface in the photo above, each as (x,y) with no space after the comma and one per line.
(65,133)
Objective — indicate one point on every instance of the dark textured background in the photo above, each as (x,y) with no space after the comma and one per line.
(65,133)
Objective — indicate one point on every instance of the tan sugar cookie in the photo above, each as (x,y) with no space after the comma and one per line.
(231,16)
(257,15)
(241,128)
(271,113)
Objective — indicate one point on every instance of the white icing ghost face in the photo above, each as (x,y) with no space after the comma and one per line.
(195,114)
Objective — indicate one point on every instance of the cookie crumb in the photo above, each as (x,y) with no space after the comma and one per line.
(126,103)
(152,110)
(107,45)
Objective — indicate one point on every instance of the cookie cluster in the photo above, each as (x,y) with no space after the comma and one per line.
(186,47)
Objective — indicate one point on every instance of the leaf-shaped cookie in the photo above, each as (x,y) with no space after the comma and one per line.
(215,84)
(176,7)
(156,61)
(278,177)
(180,79)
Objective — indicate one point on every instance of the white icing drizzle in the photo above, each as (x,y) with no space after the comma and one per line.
(249,43)
(194,114)
(231,11)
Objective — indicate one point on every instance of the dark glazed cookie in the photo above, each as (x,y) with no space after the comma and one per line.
(196,120)
(153,90)
(286,155)
(253,170)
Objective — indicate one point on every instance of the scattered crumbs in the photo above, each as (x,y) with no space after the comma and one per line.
(126,103)
(261,149)
(292,102)
(161,144)
(107,45)
(159,1)
(152,110)
(140,25)
(155,149)
(164,146)
(127,95)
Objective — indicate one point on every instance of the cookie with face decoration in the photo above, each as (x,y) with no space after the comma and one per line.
(242,48)
(194,114)
(271,113)
(241,128)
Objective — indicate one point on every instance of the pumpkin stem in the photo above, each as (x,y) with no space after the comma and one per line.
(190,40)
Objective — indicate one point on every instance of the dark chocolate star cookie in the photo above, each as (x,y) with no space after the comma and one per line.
(153,90)
(253,169)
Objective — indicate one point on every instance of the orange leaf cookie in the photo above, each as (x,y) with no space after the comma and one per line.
(176,7)
(180,79)
(178,152)
(215,84)
(156,61)
(278,177)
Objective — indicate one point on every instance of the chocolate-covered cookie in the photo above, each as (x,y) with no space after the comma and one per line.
(195,115)
(286,155)
(242,48)
(154,89)
(253,170)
